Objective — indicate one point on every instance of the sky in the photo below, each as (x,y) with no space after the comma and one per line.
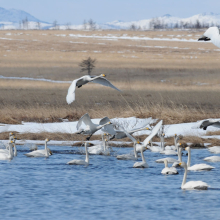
(101,11)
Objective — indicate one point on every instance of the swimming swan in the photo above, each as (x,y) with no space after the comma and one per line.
(84,80)
(192,184)
(40,153)
(196,167)
(90,128)
(169,170)
(7,155)
(143,163)
(81,162)
(212,159)
(214,150)
(212,34)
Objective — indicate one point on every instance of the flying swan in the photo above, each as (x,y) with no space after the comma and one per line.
(90,128)
(212,34)
(84,80)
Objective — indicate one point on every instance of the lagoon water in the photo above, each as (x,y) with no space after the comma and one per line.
(39,188)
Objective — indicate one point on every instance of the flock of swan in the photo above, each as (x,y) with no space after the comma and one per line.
(111,131)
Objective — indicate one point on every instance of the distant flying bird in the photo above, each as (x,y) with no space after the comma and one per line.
(84,80)
(212,34)
(207,122)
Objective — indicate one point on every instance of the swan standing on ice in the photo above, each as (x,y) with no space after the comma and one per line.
(192,184)
(212,34)
(196,167)
(143,163)
(169,170)
(40,153)
(8,155)
(90,128)
(84,80)
(81,162)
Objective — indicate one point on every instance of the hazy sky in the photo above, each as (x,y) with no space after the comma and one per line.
(75,11)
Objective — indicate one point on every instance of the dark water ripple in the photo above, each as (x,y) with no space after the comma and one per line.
(39,188)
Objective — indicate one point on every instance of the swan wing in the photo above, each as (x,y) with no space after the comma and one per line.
(71,92)
(146,123)
(128,135)
(103,81)
(86,120)
(169,170)
(153,133)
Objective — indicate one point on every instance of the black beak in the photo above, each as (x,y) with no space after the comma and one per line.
(204,38)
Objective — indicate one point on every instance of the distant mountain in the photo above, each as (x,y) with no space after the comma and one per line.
(12,19)
(15,16)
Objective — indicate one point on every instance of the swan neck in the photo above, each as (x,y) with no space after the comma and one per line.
(162,143)
(142,155)
(180,154)
(87,154)
(135,152)
(178,151)
(151,143)
(189,158)
(46,150)
(15,150)
(184,177)
(104,145)
(10,151)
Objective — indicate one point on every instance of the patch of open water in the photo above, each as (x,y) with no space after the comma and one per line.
(39,188)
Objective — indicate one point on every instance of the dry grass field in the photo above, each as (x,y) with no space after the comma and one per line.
(163,74)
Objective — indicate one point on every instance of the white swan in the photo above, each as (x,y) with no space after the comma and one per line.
(84,80)
(212,159)
(90,128)
(169,170)
(215,149)
(192,184)
(212,34)
(143,163)
(40,153)
(100,149)
(170,152)
(81,162)
(120,134)
(196,167)
(8,155)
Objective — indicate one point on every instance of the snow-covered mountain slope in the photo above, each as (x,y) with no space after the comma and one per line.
(205,19)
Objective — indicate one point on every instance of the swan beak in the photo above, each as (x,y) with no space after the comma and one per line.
(179,143)
(146,148)
(51,152)
(110,123)
(103,75)
(138,142)
(147,128)
(105,139)
(180,164)
(204,38)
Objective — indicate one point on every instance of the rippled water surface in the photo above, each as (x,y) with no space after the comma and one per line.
(39,188)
